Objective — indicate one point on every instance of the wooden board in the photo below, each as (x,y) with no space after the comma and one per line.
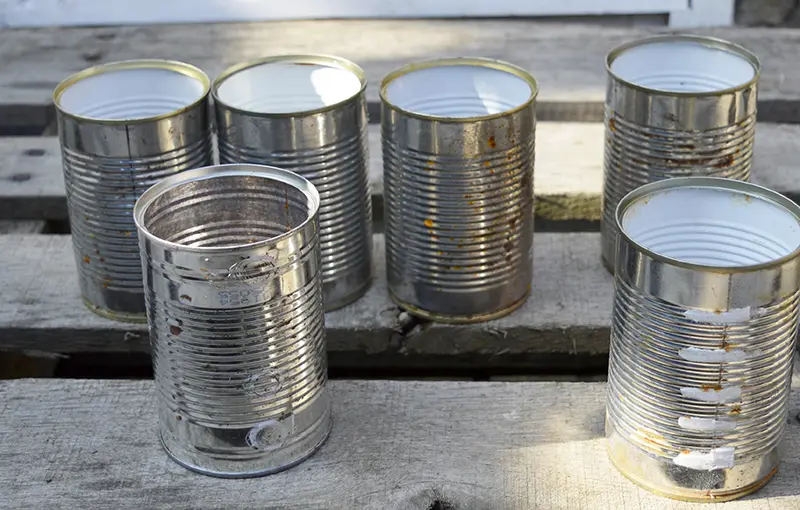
(394,446)
(568,176)
(566,58)
(565,321)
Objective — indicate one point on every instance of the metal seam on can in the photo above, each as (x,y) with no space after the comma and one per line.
(459,210)
(698,394)
(654,134)
(328,145)
(109,162)
(237,329)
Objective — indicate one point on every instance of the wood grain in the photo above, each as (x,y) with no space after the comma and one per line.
(395,445)
(568,176)
(565,321)
(567,59)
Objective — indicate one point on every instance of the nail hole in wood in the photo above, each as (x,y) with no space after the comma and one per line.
(20,177)
(438,504)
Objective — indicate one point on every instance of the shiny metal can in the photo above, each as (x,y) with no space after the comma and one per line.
(308,114)
(676,106)
(232,280)
(123,127)
(458,155)
(706,309)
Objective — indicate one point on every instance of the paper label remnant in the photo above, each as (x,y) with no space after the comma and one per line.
(718,395)
(712,355)
(706,424)
(718,458)
(733,316)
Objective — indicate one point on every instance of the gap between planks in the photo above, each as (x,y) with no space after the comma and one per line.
(568,175)
(567,59)
(394,446)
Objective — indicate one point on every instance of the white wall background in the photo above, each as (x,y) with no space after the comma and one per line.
(37,13)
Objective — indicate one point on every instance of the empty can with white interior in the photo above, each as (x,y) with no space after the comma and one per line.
(703,335)
(123,127)
(458,155)
(308,114)
(676,106)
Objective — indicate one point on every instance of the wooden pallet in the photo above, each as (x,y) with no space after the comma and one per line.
(402,444)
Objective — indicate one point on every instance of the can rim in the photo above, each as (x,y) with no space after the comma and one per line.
(498,65)
(170,65)
(711,42)
(227,170)
(712,183)
(308,58)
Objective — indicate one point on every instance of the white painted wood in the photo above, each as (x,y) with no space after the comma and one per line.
(32,13)
(395,445)
(704,13)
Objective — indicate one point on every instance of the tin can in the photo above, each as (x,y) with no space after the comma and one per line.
(233,285)
(124,126)
(707,287)
(308,114)
(676,106)
(458,156)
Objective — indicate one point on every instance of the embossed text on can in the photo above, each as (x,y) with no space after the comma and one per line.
(705,318)
(458,154)
(123,127)
(676,106)
(308,114)
(233,286)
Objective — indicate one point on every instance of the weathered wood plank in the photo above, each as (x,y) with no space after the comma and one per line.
(568,176)
(565,321)
(566,58)
(395,445)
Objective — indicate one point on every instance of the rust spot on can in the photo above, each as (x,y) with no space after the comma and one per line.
(711,387)
(736,410)
(428,222)
(492,142)
(612,125)
(86,259)
(175,330)
(726,162)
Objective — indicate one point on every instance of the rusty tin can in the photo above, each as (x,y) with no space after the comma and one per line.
(705,318)
(123,127)
(676,106)
(231,260)
(308,114)
(458,156)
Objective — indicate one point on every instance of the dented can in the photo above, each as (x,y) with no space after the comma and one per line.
(123,127)
(232,277)
(705,318)
(308,114)
(458,156)
(676,106)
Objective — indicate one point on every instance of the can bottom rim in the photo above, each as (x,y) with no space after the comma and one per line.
(348,299)
(256,473)
(134,318)
(459,319)
(709,497)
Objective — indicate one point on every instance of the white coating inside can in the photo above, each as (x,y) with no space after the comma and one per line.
(682,66)
(123,94)
(458,91)
(288,87)
(712,226)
